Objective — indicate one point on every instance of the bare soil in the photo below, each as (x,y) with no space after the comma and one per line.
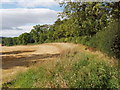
(19,58)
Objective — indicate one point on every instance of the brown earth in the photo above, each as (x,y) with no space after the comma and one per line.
(19,58)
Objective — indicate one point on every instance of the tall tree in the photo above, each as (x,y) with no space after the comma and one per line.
(24,38)
(89,17)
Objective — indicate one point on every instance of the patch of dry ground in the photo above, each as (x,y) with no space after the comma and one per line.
(19,58)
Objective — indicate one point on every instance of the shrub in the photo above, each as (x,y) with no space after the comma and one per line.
(71,71)
(87,71)
(107,40)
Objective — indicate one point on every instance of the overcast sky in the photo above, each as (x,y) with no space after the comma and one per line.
(18,16)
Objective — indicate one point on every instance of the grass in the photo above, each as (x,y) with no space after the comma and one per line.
(73,69)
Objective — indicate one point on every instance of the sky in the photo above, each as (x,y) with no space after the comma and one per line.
(19,16)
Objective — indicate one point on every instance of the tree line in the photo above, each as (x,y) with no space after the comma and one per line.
(79,22)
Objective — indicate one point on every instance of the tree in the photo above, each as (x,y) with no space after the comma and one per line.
(89,17)
(7,41)
(24,38)
(38,33)
(15,41)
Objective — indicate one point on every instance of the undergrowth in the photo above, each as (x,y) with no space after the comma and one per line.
(71,70)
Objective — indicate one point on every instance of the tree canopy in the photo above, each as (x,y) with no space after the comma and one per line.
(77,20)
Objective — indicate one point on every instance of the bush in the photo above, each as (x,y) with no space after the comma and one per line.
(107,40)
(82,39)
(7,41)
(87,71)
(70,71)
(92,74)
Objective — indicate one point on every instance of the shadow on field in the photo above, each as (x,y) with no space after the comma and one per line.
(13,61)
(16,52)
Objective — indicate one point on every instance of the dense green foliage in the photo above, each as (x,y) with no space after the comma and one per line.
(88,23)
(108,40)
(7,41)
(71,71)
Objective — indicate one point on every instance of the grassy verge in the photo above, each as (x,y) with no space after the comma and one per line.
(71,70)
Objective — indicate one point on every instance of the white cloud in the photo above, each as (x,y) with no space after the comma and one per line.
(15,33)
(33,3)
(4,1)
(14,20)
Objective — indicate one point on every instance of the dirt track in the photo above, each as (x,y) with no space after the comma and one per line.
(19,58)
